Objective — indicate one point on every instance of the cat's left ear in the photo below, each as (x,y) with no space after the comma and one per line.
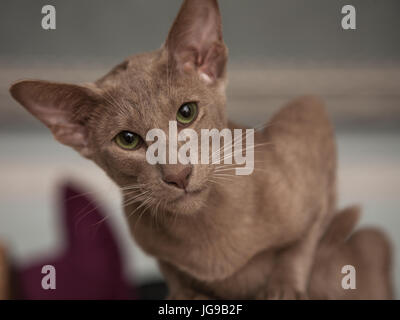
(195,41)
(63,108)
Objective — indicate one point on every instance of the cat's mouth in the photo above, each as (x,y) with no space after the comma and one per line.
(188,194)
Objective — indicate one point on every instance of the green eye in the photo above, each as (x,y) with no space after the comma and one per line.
(187,113)
(127,140)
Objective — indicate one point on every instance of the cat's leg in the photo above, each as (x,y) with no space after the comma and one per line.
(179,290)
(186,294)
(179,284)
(369,251)
(290,275)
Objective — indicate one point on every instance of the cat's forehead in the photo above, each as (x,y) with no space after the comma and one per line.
(138,74)
(141,93)
(145,81)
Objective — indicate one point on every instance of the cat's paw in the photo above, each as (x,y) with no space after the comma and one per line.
(285,292)
(282,291)
(187,295)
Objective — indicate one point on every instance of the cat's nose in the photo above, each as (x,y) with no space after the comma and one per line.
(178,179)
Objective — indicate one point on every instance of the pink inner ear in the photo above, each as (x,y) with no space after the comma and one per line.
(56,105)
(195,40)
(58,120)
(49,115)
(215,61)
(70,134)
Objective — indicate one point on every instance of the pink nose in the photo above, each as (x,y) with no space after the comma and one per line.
(180,179)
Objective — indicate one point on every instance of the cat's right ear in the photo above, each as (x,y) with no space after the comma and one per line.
(63,108)
(195,43)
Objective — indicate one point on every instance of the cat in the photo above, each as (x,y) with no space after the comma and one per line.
(368,250)
(215,235)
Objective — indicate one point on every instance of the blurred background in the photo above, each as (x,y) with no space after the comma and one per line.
(279,49)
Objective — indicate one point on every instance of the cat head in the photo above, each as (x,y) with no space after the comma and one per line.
(107,121)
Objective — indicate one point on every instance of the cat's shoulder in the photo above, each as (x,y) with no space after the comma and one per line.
(307,108)
(305,122)
(303,116)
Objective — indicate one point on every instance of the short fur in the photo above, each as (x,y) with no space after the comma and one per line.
(250,237)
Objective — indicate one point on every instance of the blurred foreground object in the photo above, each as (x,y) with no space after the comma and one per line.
(90,267)
(4,275)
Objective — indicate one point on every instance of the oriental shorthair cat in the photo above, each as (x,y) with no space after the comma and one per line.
(215,234)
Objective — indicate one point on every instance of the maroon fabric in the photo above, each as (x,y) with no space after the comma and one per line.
(90,267)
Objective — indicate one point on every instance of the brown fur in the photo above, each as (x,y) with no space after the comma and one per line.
(368,250)
(4,275)
(252,237)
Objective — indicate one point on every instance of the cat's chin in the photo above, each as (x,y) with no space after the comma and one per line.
(189,202)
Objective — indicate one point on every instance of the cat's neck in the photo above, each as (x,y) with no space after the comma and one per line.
(215,233)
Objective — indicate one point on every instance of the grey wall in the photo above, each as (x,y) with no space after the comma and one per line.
(279,49)
(284,30)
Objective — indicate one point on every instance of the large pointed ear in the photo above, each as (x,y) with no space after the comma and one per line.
(63,108)
(195,40)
